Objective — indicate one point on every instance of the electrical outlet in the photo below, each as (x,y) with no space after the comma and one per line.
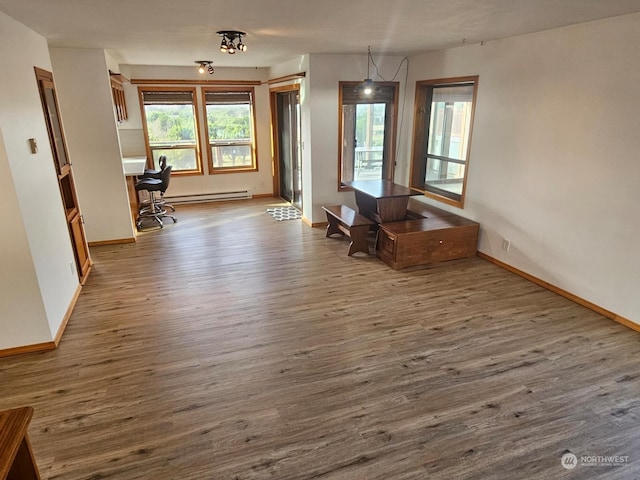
(72,267)
(506,245)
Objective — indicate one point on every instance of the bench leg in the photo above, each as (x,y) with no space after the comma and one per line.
(358,240)
(333,225)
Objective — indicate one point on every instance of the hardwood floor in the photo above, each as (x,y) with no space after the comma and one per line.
(231,346)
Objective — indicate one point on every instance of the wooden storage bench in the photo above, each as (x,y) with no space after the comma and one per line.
(16,457)
(427,240)
(347,221)
(417,210)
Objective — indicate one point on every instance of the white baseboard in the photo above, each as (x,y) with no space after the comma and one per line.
(209,197)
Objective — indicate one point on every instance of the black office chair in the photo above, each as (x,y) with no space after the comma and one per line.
(157,174)
(154,210)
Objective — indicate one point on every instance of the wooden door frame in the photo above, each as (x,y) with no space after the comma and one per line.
(64,175)
(275,154)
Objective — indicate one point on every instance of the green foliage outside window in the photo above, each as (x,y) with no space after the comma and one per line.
(170,124)
(370,123)
(229,122)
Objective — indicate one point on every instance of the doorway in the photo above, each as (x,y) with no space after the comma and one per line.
(285,110)
(368,128)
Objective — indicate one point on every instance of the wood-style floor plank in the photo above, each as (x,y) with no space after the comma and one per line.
(231,346)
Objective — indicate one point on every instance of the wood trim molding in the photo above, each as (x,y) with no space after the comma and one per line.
(156,81)
(307,221)
(626,322)
(263,195)
(117,241)
(36,347)
(118,77)
(314,224)
(287,78)
(563,293)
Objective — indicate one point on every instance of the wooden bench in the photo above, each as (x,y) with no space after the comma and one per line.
(16,457)
(347,221)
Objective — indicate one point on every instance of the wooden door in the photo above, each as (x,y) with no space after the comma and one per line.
(64,172)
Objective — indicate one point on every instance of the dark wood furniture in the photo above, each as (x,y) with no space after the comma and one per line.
(347,221)
(16,457)
(412,232)
(431,236)
(381,200)
(417,209)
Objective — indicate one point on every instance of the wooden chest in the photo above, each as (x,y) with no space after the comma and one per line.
(427,240)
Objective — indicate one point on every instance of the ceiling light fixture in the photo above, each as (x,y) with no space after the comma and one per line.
(232,41)
(368,84)
(205,66)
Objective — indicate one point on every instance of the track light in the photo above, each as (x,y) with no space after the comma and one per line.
(205,65)
(229,44)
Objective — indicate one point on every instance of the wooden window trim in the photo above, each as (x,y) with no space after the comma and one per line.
(421,116)
(149,150)
(254,151)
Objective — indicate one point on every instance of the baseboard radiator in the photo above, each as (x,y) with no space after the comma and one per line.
(209,197)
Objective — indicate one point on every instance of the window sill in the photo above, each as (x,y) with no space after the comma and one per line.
(218,171)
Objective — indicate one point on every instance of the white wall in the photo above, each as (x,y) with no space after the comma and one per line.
(86,106)
(554,156)
(325,71)
(37,283)
(257,183)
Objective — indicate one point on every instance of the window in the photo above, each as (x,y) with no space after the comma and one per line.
(442,137)
(170,122)
(367,131)
(230,129)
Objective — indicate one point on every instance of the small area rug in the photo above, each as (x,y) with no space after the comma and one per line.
(284,213)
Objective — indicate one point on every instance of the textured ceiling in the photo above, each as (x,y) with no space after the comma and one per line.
(177,32)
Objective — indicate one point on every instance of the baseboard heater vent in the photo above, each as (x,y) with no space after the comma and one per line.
(209,197)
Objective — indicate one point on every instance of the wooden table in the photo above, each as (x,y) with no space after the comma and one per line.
(16,458)
(381,200)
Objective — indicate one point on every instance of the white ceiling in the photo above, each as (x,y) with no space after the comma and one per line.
(178,32)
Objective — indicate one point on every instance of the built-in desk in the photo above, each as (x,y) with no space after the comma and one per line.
(381,200)
(133,167)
